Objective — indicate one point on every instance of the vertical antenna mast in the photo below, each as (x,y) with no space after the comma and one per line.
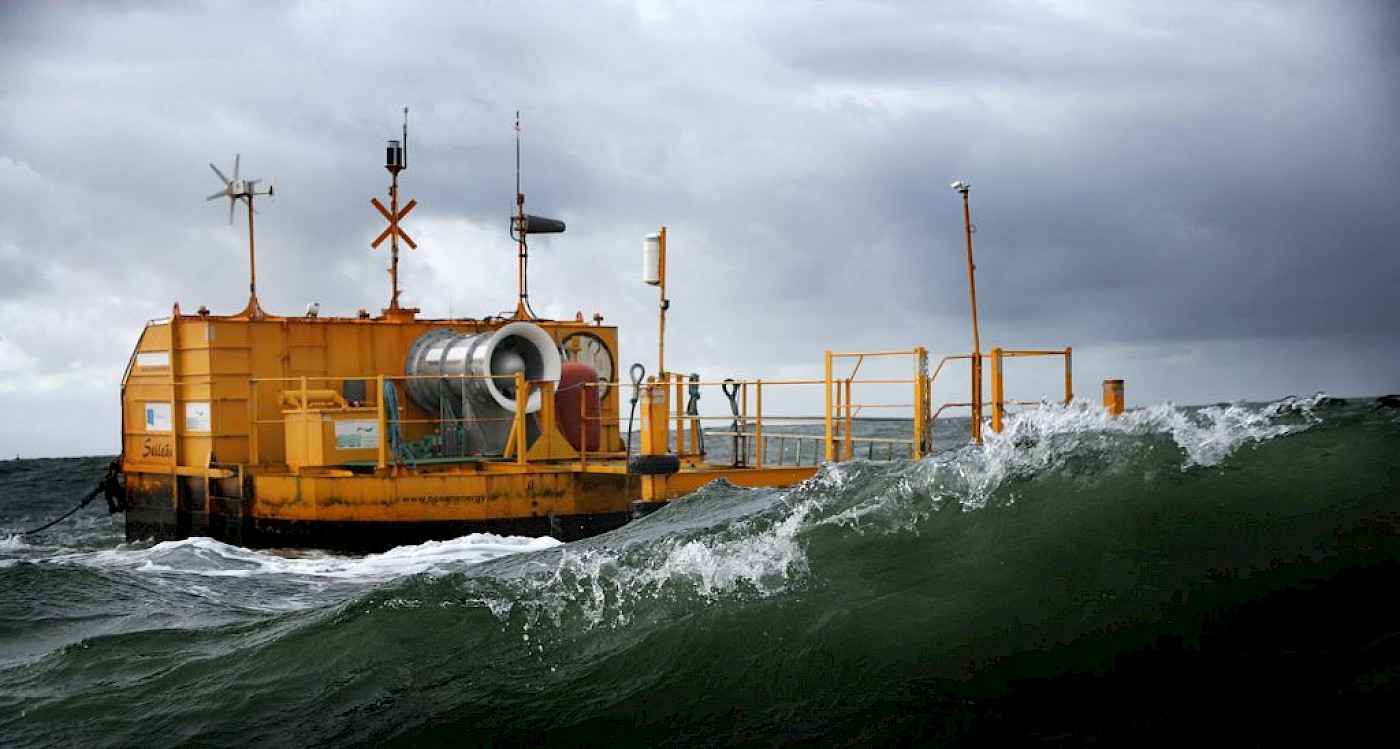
(522,306)
(522,224)
(395,160)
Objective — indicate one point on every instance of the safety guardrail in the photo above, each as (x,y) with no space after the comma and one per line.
(763,427)
(403,434)
(999,402)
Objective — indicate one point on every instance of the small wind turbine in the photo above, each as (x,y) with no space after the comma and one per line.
(236,189)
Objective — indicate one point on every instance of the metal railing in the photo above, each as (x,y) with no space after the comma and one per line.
(763,426)
(998,401)
(756,434)
(401,432)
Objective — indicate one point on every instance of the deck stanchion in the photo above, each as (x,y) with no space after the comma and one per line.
(998,391)
(382,461)
(1069,375)
(830,441)
(758,424)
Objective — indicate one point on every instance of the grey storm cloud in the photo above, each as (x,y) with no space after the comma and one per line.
(1199,196)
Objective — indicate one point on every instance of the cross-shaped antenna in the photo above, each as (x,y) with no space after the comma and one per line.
(236,189)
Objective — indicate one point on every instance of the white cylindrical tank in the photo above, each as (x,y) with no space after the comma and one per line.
(651,259)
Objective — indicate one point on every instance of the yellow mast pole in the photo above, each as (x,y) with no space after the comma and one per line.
(963,187)
(664,305)
(253,308)
(522,309)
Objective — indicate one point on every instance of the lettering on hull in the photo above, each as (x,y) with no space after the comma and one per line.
(153,448)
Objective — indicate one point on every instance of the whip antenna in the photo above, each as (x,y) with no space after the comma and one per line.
(522,224)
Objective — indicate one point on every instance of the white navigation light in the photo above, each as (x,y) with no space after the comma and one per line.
(651,259)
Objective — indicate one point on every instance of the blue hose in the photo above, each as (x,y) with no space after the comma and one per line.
(400,449)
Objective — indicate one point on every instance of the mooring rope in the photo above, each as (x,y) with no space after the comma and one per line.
(110,483)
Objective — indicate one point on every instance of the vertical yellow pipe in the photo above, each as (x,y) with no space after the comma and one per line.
(998,391)
(522,398)
(665,304)
(253,306)
(850,414)
(655,417)
(830,438)
(679,415)
(655,420)
(176,402)
(977,398)
(921,403)
(383,422)
(840,416)
(758,422)
(1069,375)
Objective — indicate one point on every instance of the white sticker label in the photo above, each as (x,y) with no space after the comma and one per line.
(157,417)
(153,359)
(356,434)
(196,417)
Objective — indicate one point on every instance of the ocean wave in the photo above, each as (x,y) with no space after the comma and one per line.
(1241,547)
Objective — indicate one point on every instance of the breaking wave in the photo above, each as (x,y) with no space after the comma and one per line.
(961,598)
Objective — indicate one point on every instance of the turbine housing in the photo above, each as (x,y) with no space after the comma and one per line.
(471,377)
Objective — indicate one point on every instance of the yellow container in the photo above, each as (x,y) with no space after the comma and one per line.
(324,437)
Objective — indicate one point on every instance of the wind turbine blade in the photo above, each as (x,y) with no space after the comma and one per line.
(230,209)
(217,195)
(236,157)
(221,174)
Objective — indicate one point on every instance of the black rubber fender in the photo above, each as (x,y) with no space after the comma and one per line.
(653,465)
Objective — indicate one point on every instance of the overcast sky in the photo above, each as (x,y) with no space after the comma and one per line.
(1200,197)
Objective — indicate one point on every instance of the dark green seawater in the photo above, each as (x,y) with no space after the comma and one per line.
(1218,576)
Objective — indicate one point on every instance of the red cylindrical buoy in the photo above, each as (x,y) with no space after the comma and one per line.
(578,407)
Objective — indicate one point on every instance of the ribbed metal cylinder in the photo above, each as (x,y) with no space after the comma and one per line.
(447,355)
